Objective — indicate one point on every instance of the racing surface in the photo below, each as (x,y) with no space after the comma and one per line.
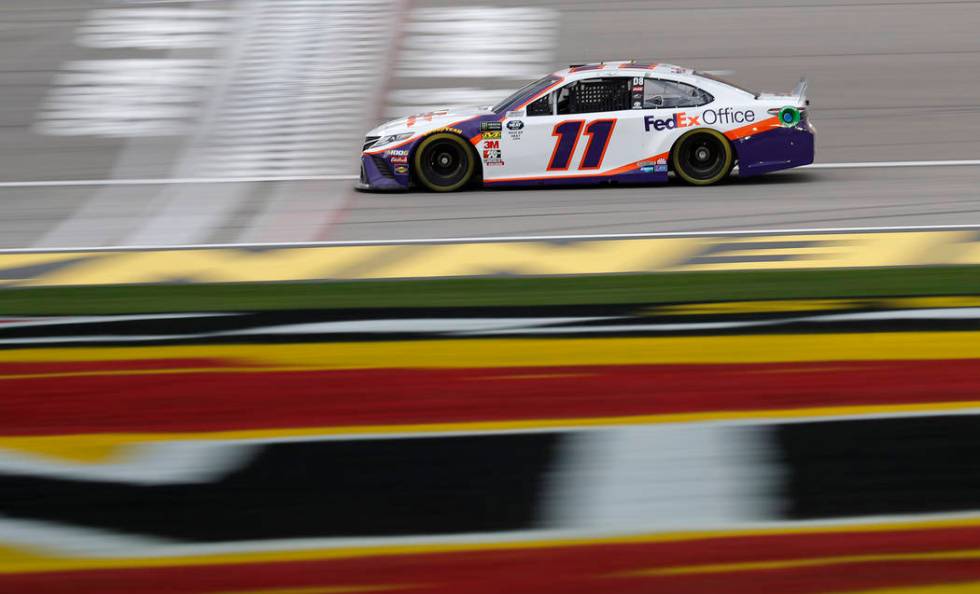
(889,81)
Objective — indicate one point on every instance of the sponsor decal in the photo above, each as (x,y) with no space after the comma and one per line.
(728,116)
(637,92)
(515,129)
(401,170)
(453,130)
(491,135)
(490,126)
(492,155)
(658,166)
(397,156)
(678,120)
(711,117)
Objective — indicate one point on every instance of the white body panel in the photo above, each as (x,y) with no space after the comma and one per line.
(642,136)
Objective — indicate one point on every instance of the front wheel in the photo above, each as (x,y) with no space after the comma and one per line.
(703,157)
(444,162)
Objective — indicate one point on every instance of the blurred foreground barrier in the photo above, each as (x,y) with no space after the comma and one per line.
(772,446)
(505,258)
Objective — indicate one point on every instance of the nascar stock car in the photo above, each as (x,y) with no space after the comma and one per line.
(618,122)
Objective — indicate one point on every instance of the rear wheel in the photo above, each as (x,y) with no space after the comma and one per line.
(444,162)
(703,157)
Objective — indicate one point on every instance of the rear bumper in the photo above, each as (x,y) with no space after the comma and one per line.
(379,174)
(781,148)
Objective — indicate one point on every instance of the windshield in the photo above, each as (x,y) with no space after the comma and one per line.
(525,93)
(727,82)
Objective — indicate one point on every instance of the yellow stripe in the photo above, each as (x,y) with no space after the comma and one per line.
(103,447)
(933,302)
(963,588)
(814,305)
(803,563)
(323,589)
(546,352)
(835,250)
(747,307)
(20,561)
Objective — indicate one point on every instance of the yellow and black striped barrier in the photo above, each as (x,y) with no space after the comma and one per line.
(492,258)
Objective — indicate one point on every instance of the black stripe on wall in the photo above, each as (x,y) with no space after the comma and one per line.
(317,489)
(880,466)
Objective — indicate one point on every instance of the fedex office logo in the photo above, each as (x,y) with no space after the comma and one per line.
(679,120)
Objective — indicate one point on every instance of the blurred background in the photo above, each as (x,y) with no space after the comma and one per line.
(209,90)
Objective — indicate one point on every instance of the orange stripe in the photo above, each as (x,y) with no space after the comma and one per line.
(751,129)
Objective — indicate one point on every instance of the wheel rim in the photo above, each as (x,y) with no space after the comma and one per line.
(703,156)
(445,162)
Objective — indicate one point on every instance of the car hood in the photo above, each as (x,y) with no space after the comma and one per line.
(426,122)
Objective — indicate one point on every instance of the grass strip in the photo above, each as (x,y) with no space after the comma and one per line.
(644,288)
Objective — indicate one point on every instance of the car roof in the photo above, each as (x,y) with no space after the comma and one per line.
(622,67)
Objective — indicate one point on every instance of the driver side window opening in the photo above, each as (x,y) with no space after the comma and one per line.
(668,94)
(594,95)
(541,106)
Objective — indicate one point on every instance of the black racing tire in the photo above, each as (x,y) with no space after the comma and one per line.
(702,157)
(444,162)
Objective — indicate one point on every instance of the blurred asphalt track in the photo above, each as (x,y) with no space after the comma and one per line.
(890,81)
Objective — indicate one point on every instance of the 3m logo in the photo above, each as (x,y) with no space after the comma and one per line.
(679,120)
(491,144)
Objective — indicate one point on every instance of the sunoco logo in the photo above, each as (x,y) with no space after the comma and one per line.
(710,117)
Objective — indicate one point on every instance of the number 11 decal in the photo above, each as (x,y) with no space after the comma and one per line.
(599,133)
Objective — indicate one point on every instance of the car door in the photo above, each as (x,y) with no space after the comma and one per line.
(670,108)
(584,129)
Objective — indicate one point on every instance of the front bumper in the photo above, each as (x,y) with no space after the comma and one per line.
(378,173)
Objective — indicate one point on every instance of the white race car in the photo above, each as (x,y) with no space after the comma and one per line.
(615,122)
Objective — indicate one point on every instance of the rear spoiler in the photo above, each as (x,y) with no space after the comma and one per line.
(800,91)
